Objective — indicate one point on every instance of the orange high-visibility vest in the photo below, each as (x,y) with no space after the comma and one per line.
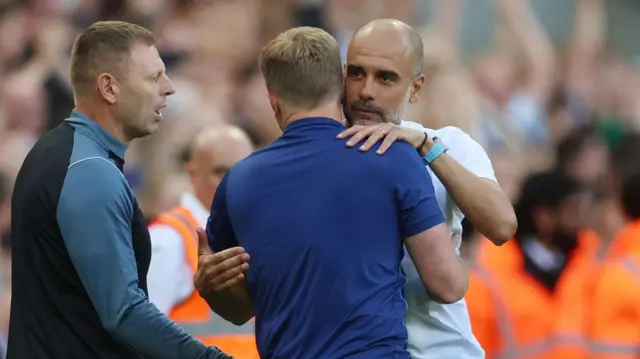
(194,314)
(515,317)
(614,329)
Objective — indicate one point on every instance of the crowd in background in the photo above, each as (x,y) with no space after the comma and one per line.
(533,104)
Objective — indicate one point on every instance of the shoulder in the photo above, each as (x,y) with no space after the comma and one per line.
(96,177)
(415,126)
(451,135)
(466,151)
(401,162)
(454,136)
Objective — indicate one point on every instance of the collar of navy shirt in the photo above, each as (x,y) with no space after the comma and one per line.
(92,129)
(312,121)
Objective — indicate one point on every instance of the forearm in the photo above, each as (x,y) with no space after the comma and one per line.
(458,273)
(237,309)
(444,275)
(151,333)
(480,199)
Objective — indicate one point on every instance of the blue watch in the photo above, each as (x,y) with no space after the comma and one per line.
(436,151)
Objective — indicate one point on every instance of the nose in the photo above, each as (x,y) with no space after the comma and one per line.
(367,92)
(168,89)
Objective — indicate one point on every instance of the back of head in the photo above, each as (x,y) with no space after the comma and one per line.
(302,68)
(103,47)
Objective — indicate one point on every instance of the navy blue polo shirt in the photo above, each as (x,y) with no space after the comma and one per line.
(324,225)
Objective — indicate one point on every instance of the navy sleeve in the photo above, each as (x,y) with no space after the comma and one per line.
(219,230)
(415,196)
(94,215)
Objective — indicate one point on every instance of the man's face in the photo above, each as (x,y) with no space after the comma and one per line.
(567,219)
(379,81)
(143,92)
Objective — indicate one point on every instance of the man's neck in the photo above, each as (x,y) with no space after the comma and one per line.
(103,118)
(332,111)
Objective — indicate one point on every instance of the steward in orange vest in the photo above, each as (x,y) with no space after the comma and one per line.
(526,298)
(614,329)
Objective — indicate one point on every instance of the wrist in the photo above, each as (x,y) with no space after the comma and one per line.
(426,146)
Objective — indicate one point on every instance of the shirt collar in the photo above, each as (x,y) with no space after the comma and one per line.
(312,121)
(89,127)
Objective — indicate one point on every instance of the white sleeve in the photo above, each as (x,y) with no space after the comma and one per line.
(468,152)
(169,280)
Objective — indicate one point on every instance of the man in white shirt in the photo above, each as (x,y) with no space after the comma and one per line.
(383,76)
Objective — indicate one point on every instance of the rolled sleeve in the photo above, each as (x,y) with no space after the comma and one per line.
(94,214)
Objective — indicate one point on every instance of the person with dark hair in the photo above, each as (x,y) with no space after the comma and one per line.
(583,155)
(542,268)
(624,159)
(615,318)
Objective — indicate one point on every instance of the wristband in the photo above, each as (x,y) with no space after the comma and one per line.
(436,151)
(426,137)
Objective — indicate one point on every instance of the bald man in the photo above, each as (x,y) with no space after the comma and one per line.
(383,77)
(174,243)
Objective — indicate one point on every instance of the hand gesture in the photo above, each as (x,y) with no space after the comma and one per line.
(218,271)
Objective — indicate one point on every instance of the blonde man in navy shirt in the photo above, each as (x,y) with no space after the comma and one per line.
(325,226)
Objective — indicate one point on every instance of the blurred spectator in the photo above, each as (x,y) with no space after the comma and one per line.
(615,314)
(550,255)
(583,155)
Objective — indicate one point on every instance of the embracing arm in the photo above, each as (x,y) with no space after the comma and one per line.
(465,171)
(471,183)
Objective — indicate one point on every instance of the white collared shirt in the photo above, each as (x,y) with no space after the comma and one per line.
(443,331)
(170,279)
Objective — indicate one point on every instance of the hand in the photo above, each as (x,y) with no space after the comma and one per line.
(218,271)
(388,131)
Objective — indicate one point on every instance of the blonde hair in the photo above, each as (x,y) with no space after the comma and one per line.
(302,67)
(103,46)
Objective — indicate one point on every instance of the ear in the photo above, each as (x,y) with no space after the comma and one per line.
(344,73)
(108,88)
(190,168)
(416,88)
(273,101)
